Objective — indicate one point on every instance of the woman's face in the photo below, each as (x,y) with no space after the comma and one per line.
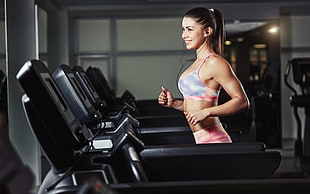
(193,33)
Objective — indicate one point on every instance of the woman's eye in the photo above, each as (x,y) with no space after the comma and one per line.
(187,29)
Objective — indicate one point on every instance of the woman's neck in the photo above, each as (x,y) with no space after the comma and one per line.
(203,52)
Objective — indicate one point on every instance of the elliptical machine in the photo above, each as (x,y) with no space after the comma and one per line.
(301,76)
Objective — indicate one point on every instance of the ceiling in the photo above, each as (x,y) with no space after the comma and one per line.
(61,3)
(133,2)
(235,26)
(240,15)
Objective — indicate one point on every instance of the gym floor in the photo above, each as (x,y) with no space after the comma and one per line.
(290,166)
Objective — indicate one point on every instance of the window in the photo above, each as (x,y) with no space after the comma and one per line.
(139,55)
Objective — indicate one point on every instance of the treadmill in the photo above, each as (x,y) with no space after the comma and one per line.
(120,159)
(83,107)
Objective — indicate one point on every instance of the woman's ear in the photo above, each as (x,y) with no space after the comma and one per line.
(208,31)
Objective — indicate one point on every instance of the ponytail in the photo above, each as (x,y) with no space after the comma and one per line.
(219,35)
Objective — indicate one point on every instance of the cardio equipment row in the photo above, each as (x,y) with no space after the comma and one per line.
(85,138)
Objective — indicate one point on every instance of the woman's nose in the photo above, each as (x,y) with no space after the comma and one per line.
(184,34)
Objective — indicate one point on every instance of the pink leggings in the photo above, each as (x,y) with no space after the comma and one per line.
(212,134)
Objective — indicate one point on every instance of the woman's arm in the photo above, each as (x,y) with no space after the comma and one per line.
(224,75)
(166,99)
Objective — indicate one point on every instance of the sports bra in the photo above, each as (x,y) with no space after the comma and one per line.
(192,88)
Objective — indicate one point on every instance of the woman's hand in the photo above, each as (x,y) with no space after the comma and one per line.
(194,117)
(165,98)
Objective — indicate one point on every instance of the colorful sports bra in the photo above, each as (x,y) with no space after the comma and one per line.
(193,88)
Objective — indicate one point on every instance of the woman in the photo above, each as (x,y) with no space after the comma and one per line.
(200,84)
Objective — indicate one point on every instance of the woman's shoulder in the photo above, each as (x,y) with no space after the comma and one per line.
(217,60)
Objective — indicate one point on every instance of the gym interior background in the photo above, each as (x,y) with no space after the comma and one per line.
(138,45)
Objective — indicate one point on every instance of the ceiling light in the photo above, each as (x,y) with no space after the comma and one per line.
(273,30)
(259,46)
(240,39)
(227,42)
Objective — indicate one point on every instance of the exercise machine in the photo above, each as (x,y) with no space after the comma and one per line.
(301,99)
(119,158)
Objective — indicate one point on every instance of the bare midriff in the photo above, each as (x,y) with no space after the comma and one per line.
(195,105)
